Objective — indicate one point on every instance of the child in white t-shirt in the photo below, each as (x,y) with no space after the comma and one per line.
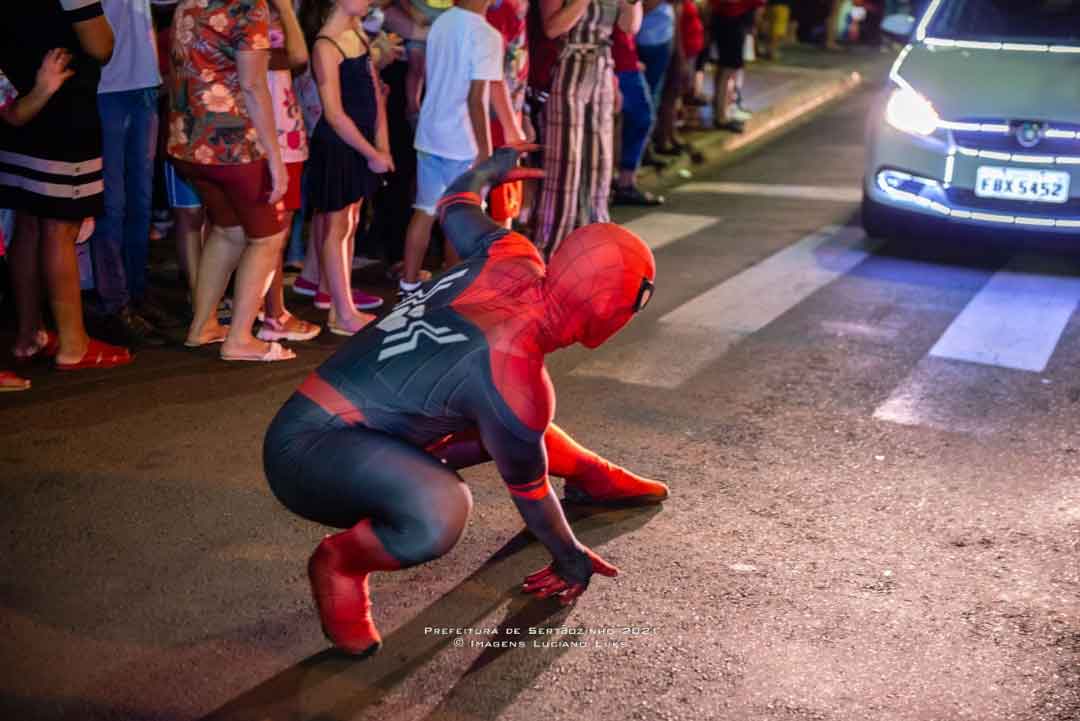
(464,55)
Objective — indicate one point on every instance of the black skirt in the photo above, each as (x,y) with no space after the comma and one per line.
(338,175)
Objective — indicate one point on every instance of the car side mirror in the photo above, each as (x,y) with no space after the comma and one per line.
(899,27)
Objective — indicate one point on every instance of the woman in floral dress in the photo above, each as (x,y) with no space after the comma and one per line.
(220,121)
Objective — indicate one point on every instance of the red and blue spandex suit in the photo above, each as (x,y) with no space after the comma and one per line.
(454,376)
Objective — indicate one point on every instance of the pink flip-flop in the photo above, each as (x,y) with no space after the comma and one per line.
(276,352)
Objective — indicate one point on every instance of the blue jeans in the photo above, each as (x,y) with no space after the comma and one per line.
(121,242)
(638,115)
(656,58)
(434,174)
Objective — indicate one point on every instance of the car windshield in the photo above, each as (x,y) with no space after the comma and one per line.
(1021,21)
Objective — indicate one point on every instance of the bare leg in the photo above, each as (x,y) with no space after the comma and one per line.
(722,97)
(311,272)
(417,238)
(219,259)
(253,273)
(25,258)
(61,270)
(831,25)
(275,297)
(337,270)
(350,238)
(190,239)
(669,107)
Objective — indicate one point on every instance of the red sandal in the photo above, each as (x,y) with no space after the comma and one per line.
(99,355)
(11,382)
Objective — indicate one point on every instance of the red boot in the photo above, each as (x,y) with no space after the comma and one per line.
(592,479)
(339,571)
(615,486)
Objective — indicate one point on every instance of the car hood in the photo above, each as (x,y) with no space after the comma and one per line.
(1006,84)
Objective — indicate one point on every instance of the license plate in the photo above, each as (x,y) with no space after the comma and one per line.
(1041,186)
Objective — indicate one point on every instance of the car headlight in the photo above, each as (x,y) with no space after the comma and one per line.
(912,113)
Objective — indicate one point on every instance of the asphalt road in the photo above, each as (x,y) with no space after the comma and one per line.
(875,512)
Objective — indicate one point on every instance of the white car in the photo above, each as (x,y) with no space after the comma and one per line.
(980,124)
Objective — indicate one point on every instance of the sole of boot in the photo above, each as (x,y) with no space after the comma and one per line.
(576,496)
(357,655)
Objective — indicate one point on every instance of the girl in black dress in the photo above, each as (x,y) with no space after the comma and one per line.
(349,148)
(50,174)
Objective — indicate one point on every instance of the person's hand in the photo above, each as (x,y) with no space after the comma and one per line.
(279,178)
(54,71)
(383,162)
(515,137)
(618,100)
(568,579)
(391,48)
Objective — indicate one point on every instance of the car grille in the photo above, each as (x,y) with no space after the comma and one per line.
(1007,143)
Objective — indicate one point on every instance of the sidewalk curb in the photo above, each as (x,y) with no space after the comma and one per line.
(720,147)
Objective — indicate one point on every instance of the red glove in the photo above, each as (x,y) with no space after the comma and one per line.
(567,585)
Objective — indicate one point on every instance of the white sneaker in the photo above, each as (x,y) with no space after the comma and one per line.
(738,113)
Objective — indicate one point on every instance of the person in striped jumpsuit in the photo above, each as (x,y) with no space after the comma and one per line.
(579,125)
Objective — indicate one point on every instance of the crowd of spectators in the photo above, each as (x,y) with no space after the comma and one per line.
(257,116)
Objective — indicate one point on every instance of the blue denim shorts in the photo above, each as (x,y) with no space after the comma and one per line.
(434,174)
(179,191)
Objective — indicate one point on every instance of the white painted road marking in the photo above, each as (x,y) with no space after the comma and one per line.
(837,194)
(660,229)
(950,396)
(1016,320)
(699,332)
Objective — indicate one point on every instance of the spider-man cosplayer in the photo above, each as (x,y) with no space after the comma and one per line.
(452,377)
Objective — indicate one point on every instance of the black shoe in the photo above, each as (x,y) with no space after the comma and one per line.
(652,160)
(634,195)
(674,150)
(732,126)
(158,316)
(128,328)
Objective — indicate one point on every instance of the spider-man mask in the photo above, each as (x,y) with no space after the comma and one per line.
(598,278)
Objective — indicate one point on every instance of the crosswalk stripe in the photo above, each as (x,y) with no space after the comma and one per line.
(1016,320)
(660,229)
(838,194)
(703,329)
(946,396)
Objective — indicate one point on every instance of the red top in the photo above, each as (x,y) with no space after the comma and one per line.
(734,8)
(624,51)
(693,30)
